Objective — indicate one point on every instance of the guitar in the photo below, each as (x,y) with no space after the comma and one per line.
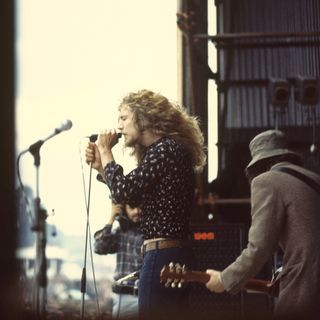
(175,276)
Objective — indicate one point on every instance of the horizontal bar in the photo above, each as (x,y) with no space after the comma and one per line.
(232,201)
(268,44)
(252,82)
(254,35)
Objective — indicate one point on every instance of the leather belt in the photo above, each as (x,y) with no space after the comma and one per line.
(163,244)
(123,289)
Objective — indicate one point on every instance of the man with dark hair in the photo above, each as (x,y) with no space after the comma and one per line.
(125,240)
(285,203)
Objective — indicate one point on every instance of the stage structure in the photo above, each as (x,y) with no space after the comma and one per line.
(267,75)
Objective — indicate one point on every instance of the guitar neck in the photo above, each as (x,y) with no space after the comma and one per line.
(172,274)
(198,276)
(252,284)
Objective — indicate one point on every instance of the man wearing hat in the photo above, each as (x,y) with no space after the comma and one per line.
(285,211)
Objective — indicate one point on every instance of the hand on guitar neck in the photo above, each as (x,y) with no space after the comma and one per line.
(175,276)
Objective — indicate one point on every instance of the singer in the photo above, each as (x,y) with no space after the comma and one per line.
(169,147)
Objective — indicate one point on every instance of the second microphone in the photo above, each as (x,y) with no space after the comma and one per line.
(94,137)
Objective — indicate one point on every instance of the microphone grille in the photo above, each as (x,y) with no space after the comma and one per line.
(67,125)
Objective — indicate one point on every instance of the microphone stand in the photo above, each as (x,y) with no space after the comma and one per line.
(39,226)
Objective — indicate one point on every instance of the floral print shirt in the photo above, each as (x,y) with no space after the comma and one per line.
(162,186)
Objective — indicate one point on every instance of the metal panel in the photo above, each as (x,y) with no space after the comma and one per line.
(246,63)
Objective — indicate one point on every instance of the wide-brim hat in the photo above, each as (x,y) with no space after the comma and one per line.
(269,144)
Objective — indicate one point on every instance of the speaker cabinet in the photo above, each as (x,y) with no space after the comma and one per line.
(215,247)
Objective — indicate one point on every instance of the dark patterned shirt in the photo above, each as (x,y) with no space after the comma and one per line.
(162,185)
(127,245)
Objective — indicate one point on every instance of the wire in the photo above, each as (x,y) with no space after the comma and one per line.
(39,285)
(88,234)
(22,188)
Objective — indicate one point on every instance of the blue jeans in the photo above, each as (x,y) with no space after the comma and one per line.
(125,306)
(155,300)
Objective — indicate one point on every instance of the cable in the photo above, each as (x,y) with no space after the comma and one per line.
(22,188)
(88,233)
(35,293)
(39,293)
(90,237)
(29,212)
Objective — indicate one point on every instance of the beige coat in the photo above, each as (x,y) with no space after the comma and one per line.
(285,212)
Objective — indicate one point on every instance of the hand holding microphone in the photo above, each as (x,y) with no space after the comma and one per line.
(106,140)
(92,155)
(99,153)
(94,137)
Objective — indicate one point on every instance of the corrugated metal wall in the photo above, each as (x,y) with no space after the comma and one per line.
(261,40)
(247,62)
(256,40)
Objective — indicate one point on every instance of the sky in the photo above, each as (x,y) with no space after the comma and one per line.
(75,60)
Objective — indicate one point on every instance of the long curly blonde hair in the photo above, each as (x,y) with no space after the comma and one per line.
(156,113)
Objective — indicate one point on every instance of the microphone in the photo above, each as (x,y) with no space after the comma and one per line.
(67,125)
(94,137)
(35,147)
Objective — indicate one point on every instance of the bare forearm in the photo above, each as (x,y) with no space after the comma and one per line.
(106,157)
(111,220)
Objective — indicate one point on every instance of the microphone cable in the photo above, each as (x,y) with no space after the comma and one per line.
(88,235)
(31,216)
(23,191)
